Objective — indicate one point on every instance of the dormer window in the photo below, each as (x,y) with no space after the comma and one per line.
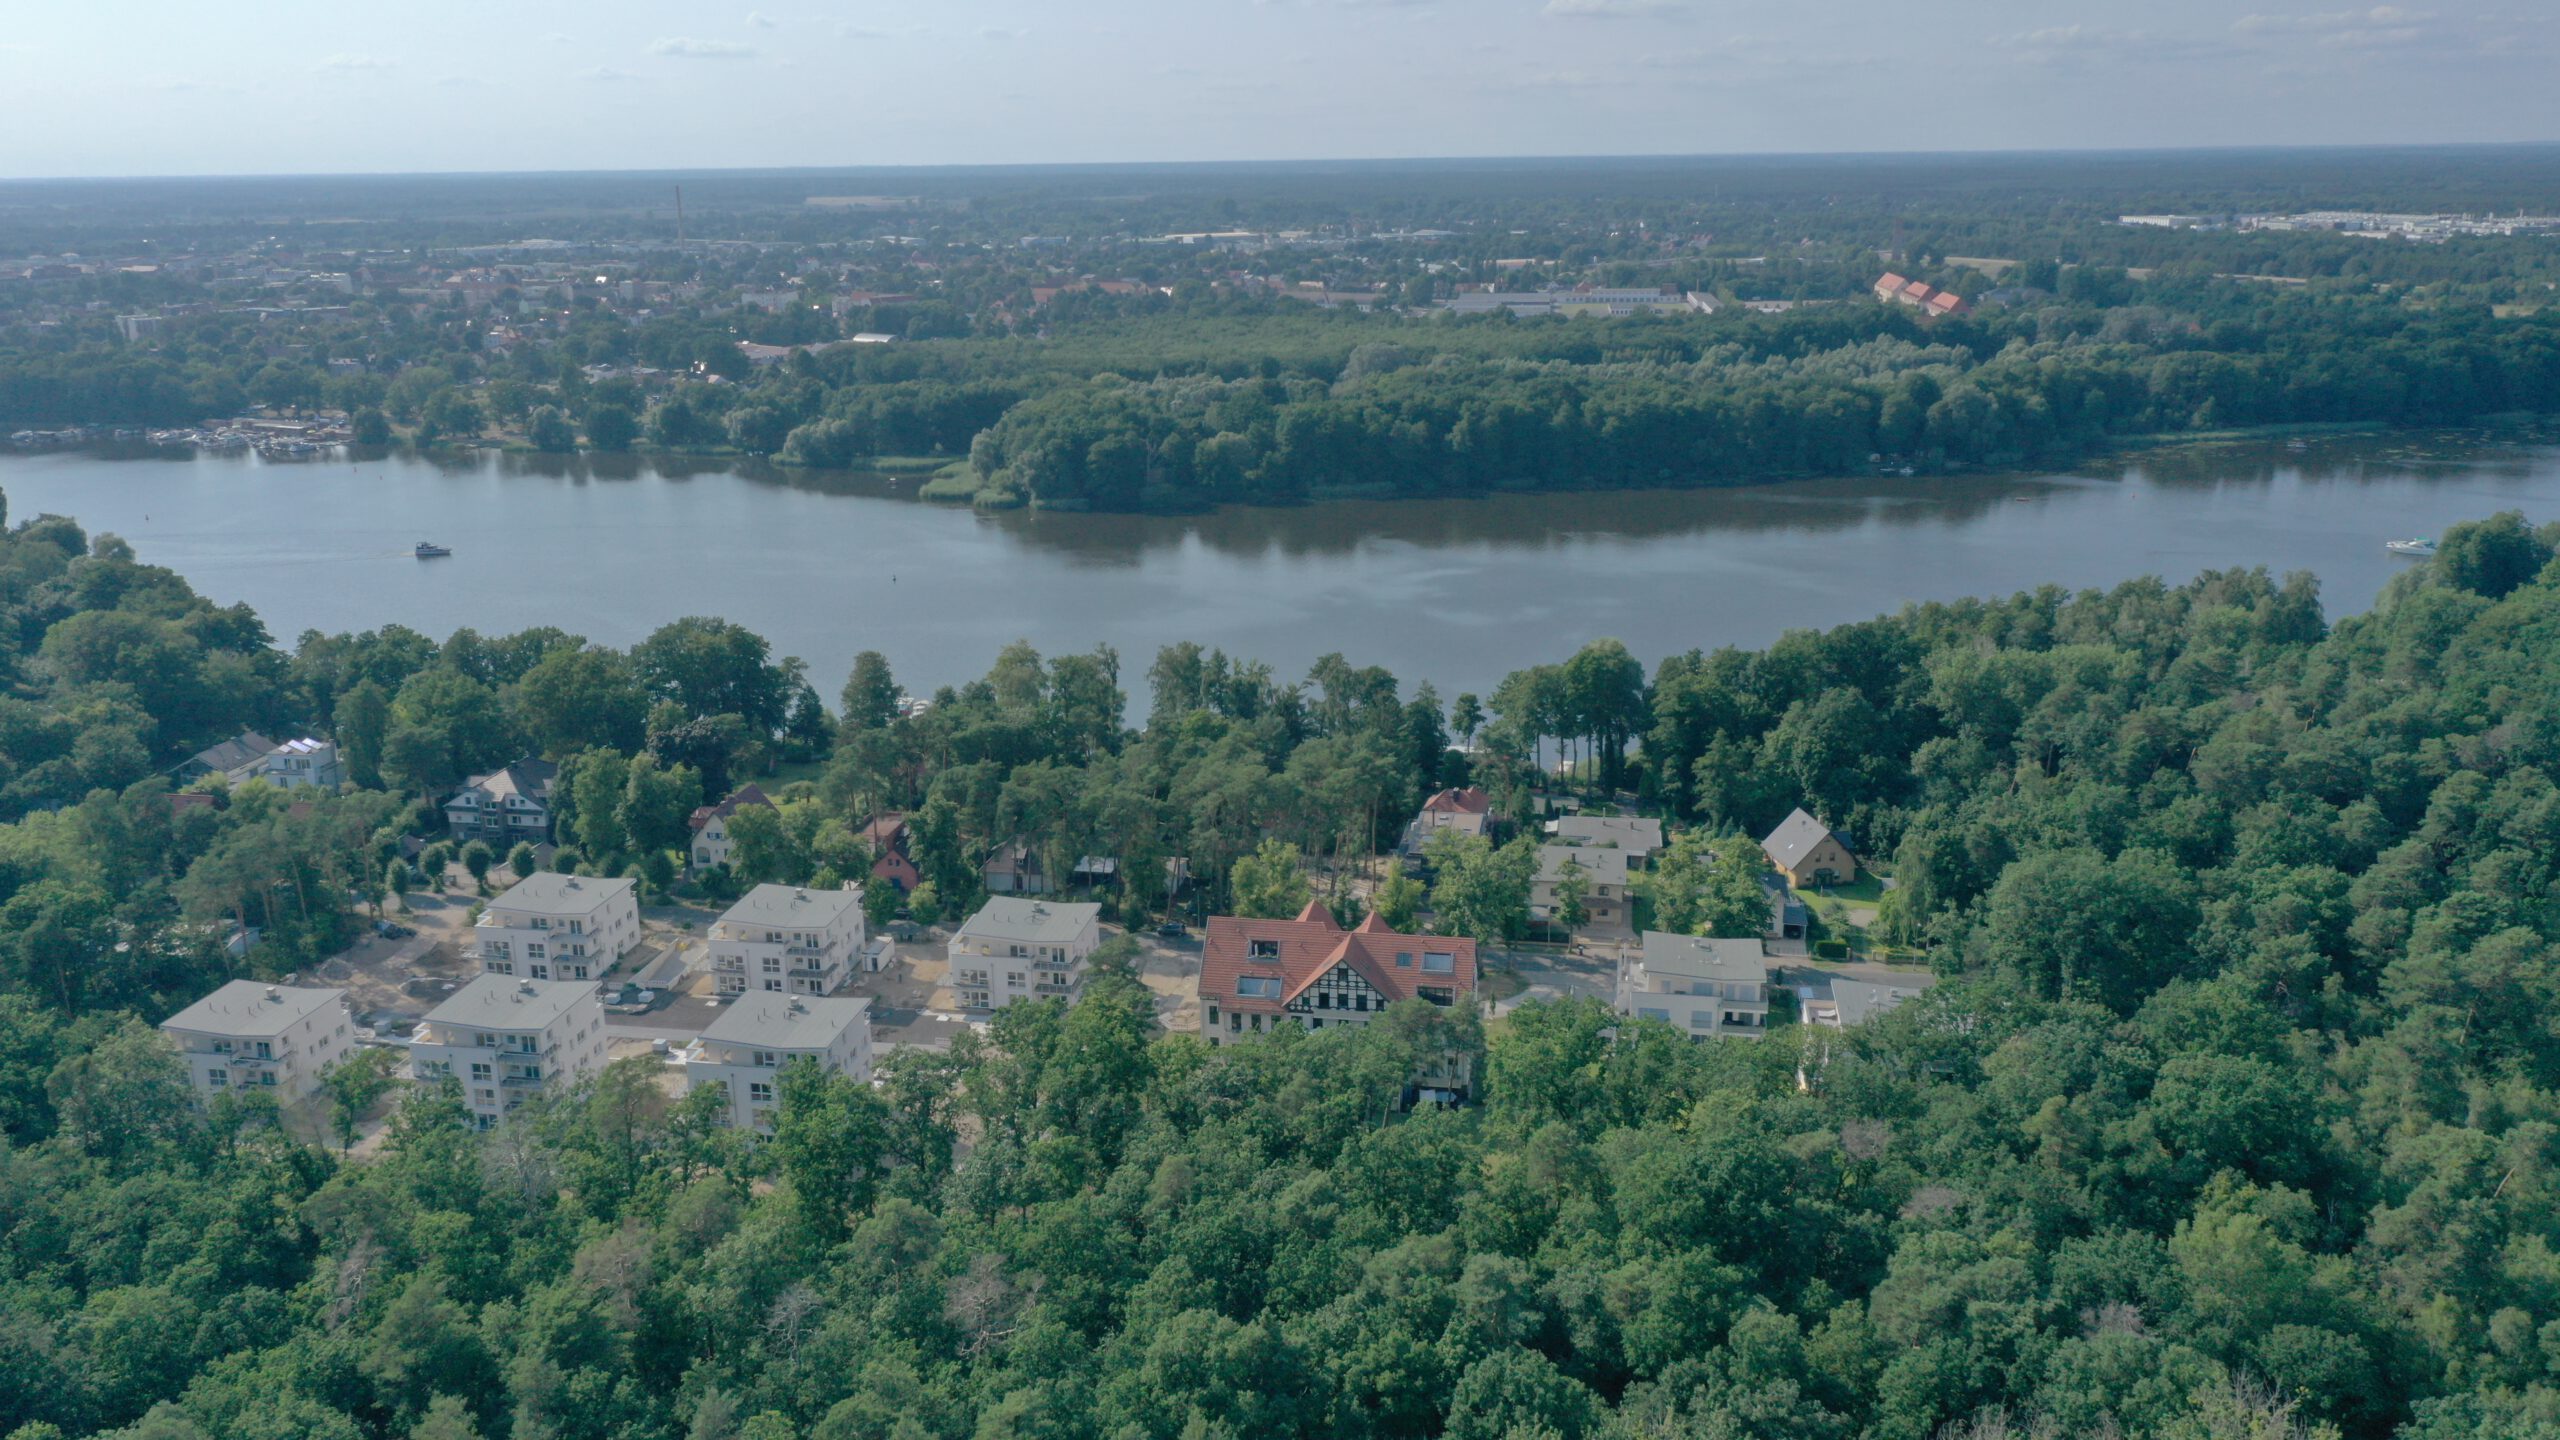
(1262,950)
(1436,963)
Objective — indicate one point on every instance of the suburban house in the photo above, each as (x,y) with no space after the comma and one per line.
(788,939)
(252,756)
(1894,289)
(1639,836)
(1807,852)
(1604,884)
(275,1039)
(1469,811)
(1705,988)
(745,1048)
(235,757)
(710,825)
(1023,950)
(297,763)
(886,834)
(506,1039)
(1014,868)
(1840,1002)
(557,927)
(504,806)
(1254,974)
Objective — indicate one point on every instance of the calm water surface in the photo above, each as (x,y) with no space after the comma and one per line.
(1457,591)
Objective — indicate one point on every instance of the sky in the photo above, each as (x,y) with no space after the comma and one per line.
(181,87)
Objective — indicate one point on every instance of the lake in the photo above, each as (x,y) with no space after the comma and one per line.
(1459,592)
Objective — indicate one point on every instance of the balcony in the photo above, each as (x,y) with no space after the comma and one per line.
(729,964)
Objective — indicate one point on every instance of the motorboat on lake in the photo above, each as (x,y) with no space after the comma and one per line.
(428,550)
(2420,546)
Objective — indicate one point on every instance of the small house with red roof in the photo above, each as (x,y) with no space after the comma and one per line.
(886,834)
(1895,289)
(1467,810)
(710,825)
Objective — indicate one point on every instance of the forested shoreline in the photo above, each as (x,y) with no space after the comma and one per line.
(2236,1111)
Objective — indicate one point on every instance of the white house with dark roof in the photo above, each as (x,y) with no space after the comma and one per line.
(745,1049)
(1704,988)
(270,1038)
(507,1040)
(1017,949)
(248,756)
(788,939)
(549,926)
(1807,852)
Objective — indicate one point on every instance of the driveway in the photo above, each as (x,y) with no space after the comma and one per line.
(1547,976)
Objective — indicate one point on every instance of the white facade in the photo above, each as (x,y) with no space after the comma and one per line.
(557,927)
(745,1049)
(270,1038)
(506,1040)
(1015,949)
(1705,988)
(297,763)
(787,939)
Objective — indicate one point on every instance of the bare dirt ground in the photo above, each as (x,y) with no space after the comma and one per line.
(1171,968)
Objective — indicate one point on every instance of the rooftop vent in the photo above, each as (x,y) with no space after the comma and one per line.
(274,994)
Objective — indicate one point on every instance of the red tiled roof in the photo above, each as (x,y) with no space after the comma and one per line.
(1470,801)
(744,795)
(1311,946)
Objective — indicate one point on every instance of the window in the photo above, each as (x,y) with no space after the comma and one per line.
(1404,959)
(1263,986)
(758,1090)
(534,952)
(767,1059)
(1262,950)
(1437,963)
(217,1078)
(1439,994)
(577,972)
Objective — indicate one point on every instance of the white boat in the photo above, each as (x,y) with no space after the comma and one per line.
(2419,546)
(430,551)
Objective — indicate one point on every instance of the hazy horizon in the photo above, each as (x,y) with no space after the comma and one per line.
(150,89)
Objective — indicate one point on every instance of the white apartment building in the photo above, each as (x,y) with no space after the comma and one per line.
(788,939)
(557,927)
(1022,949)
(746,1048)
(275,1039)
(1707,988)
(507,1039)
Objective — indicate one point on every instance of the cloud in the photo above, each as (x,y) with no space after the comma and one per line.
(684,48)
(2075,44)
(999,32)
(351,64)
(2332,22)
(761,20)
(606,74)
(1611,9)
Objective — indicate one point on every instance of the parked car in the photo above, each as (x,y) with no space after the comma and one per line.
(1173,930)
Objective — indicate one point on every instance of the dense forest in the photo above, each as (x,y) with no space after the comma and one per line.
(2236,1113)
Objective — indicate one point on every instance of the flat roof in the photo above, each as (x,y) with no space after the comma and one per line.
(503,1002)
(788,1022)
(247,1007)
(1036,922)
(1703,958)
(547,892)
(795,906)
